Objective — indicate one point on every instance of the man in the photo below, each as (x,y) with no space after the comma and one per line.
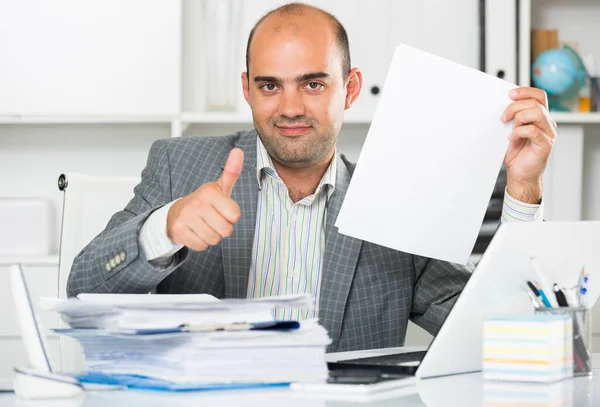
(252,214)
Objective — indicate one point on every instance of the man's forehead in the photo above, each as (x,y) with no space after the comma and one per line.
(290,60)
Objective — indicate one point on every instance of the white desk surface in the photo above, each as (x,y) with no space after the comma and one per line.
(461,391)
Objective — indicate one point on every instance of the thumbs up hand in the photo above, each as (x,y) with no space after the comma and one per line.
(207,215)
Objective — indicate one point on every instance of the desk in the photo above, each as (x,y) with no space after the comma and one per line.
(461,391)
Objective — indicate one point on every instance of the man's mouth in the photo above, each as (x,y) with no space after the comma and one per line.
(295,130)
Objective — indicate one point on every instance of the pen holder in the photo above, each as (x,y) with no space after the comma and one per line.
(582,336)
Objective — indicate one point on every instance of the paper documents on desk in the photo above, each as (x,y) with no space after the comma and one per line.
(430,160)
(191,342)
(160,311)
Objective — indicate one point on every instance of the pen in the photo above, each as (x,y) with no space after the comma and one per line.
(583,292)
(543,295)
(533,289)
(542,285)
(534,293)
(534,300)
(560,296)
(580,282)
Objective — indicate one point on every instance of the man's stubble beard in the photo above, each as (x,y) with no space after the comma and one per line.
(300,151)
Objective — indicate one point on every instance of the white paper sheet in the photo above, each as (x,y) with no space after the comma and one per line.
(164,311)
(430,160)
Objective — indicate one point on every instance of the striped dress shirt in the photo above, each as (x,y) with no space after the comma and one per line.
(289,238)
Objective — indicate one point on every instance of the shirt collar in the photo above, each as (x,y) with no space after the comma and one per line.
(265,167)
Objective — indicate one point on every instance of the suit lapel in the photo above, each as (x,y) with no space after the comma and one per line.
(237,248)
(340,258)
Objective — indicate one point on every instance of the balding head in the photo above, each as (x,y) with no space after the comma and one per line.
(296,16)
(298,84)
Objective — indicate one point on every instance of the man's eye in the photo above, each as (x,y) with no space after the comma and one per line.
(269,87)
(314,85)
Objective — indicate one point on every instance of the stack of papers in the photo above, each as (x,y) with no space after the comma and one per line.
(193,342)
(123,312)
(532,348)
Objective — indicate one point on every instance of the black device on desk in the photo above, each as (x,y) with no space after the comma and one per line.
(398,363)
(362,376)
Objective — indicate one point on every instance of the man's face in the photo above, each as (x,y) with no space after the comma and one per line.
(296,91)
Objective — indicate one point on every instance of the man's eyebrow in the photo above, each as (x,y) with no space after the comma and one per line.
(313,75)
(266,79)
(302,78)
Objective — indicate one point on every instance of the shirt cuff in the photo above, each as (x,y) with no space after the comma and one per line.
(514,210)
(154,238)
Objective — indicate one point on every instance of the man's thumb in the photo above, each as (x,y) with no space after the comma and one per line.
(231,171)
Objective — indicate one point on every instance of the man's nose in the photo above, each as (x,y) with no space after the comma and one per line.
(291,103)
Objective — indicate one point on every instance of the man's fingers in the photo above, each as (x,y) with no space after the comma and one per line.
(203,230)
(231,171)
(537,117)
(529,93)
(228,208)
(216,221)
(532,133)
(515,107)
(531,116)
(189,238)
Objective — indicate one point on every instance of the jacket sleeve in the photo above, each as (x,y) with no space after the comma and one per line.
(118,243)
(437,287)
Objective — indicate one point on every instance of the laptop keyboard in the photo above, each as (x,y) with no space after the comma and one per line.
(389,360)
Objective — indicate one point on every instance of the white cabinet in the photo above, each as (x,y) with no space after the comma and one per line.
(70,58)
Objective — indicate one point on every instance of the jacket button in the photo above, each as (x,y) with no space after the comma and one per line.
(123,256)
(113,263)
(107,267)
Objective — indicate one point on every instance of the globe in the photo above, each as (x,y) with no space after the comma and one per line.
(555,72)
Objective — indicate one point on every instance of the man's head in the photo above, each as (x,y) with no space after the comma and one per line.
(299,82)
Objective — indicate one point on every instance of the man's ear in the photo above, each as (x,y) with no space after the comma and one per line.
(353,86)
(245,88)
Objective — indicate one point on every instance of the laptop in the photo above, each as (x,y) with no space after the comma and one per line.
(498,288)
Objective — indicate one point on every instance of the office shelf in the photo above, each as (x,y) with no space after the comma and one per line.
(17,119)
(216,118)
(576,118)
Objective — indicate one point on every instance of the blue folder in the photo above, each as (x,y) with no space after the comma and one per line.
(151,383)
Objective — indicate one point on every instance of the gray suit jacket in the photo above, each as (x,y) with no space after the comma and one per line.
(369,292)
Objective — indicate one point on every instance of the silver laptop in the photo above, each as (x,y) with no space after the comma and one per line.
(498,288)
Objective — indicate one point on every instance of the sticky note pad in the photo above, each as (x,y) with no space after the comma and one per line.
(537,348)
